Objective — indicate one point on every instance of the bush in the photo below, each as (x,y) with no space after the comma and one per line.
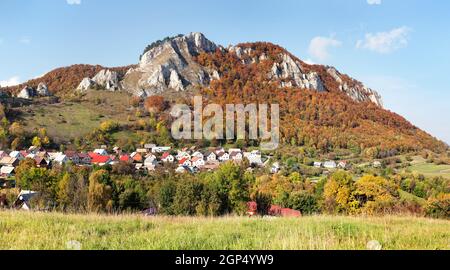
(439,206)
(304,202)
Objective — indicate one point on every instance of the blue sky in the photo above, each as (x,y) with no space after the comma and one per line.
(398,47)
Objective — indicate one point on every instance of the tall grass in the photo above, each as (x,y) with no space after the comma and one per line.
(27,230)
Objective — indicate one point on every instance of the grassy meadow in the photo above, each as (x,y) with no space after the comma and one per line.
(28,230)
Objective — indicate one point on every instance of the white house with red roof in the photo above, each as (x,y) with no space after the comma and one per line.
(167,157)
(185,162)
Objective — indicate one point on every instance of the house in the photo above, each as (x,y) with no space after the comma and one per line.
(197,154)
(73,156)
(210,156)
(182,155)
(160,149)
(150,161)
(342,165)
(17,154)
(7,171)
(117,149)
(41,162)
(9,161)
(223,156)
(236,156)
(61,159)
(167,157)
(317,164)
(101,152)
(126,158)
(330,164)
(275,167)
(85,158)
(197,162)
(23,200)
(142,151)
(99,159)
(377,164)
(254,158)
(137,157)
(185,162)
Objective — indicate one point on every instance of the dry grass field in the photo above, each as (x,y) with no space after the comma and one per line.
(53,231)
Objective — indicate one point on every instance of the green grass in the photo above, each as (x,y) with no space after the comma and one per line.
(67,120)
(431,170)
(25,230)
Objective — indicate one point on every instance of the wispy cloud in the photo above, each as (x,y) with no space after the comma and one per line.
(25,40)
(374,2)
(319,47)
(73,2)
(10,82)
(385,42)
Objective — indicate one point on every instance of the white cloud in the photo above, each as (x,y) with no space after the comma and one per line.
(374,2)
(385,42)
(10,82)
(73,2)
(319,47)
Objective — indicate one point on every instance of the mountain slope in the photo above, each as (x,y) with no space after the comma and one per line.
(320,107)
(64,80)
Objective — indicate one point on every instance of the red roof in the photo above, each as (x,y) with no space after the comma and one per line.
(125,158)
(96,158)
(182,161)
(165,155)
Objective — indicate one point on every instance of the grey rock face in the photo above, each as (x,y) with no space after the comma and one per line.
(358,92)
(86,84)
(171,66)
(27,93)
(42,90)
(107,79)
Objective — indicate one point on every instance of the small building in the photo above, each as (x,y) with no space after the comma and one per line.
(343,165)
(137,157)
(330,164)
(317,164)
(9,161)
(236,156)
(198,154)
(17,154)
(210,156)
(85,158)
(223,156)
(167,157)
(275,167)
(377,164)
(73,156)
(61,159)
(7,171)
(198,162)
(185,162)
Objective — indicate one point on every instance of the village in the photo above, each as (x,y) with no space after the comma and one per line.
(149,158)
(145,159)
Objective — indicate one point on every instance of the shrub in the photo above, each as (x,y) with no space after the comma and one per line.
(439,206)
